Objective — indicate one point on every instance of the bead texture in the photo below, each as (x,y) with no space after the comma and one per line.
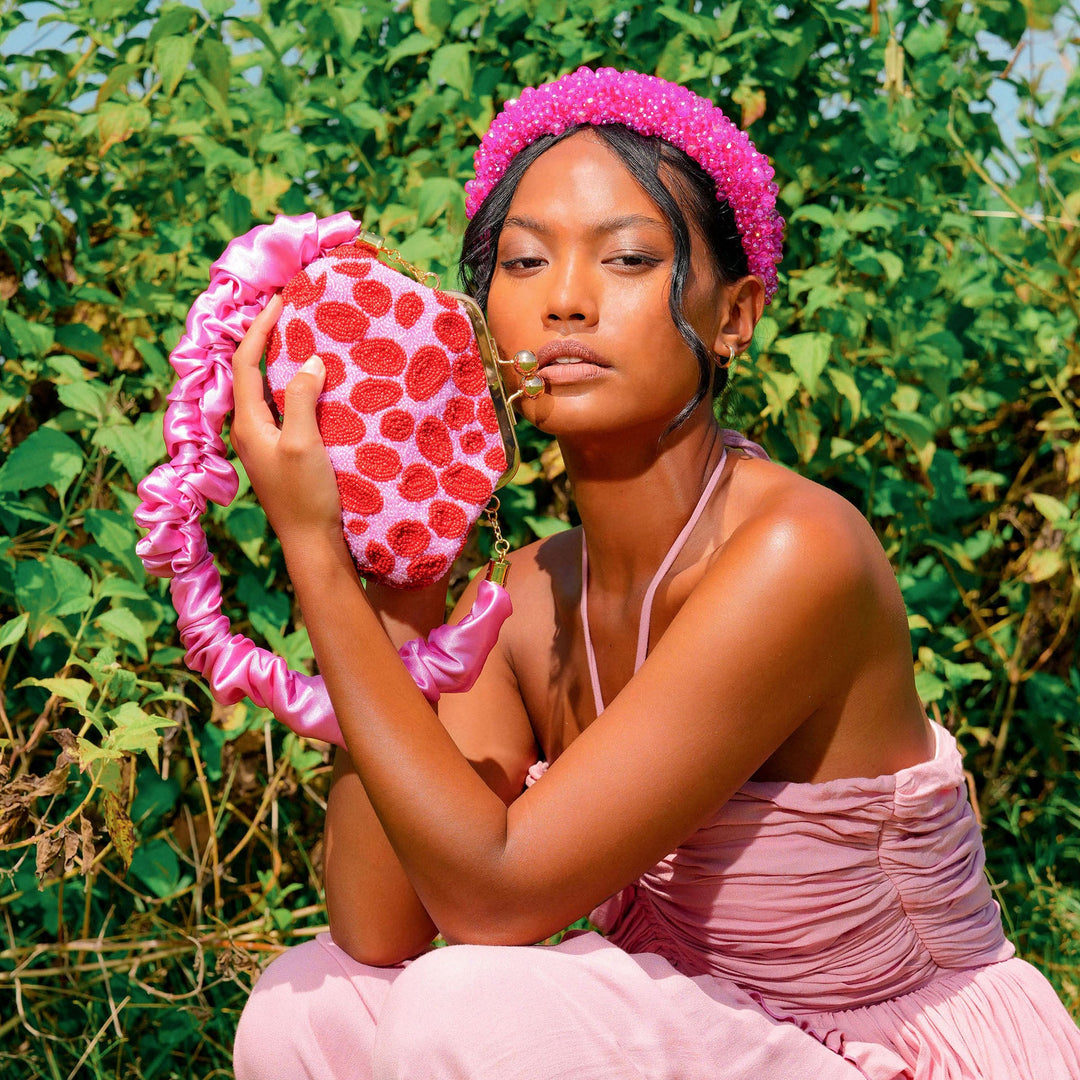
(650,106)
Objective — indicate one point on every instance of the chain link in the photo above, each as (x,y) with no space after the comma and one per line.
(501,547)
(421,277)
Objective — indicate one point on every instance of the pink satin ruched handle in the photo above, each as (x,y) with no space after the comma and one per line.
(176,494)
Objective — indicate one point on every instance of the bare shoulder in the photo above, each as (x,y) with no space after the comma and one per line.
(820,574)
(784,522)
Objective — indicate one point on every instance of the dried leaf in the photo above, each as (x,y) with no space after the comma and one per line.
(48,848)
(86,836)
(17,797)
(69,746)
(53,783)
(72,844)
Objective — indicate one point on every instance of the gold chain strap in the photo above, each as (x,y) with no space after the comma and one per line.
(421,277)
(498,567)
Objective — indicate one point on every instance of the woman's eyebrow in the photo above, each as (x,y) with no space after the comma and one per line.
(606,225)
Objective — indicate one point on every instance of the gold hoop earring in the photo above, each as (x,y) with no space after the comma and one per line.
(725,364)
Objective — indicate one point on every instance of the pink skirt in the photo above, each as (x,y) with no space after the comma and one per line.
(587,1010)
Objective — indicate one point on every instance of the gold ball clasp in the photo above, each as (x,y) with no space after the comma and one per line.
(525,362)
(532,385)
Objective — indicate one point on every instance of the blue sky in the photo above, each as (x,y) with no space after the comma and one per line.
(1048,55)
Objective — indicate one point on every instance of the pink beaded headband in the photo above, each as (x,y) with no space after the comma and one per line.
(650,106)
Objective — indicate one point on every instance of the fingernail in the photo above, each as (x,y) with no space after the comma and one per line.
(313,364)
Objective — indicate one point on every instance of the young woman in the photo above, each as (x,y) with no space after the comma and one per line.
(699,724)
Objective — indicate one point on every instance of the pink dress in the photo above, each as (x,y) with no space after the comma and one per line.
(836,930)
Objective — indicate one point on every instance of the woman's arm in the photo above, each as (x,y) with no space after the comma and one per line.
(375,914)
(777,628)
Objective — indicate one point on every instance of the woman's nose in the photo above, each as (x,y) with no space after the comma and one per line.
(571,299)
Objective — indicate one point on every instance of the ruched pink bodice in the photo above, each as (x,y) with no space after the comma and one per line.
(824,896)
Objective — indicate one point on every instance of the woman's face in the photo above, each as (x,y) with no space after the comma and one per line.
(584,260)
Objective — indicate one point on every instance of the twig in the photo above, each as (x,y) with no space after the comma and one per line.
(101,1031)
(204,788)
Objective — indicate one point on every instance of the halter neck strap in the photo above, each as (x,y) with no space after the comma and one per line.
(731,438)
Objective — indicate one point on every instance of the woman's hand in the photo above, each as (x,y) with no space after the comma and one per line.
(288,466)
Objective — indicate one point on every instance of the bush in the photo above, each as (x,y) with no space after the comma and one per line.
(920,358)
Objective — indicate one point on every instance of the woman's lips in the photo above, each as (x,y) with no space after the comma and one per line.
(566,354)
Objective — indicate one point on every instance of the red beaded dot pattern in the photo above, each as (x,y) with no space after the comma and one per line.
(404,405)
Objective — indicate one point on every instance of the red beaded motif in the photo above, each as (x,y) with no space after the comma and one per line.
(405,403)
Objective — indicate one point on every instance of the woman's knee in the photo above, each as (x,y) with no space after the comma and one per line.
(442,1009)
(312,1014)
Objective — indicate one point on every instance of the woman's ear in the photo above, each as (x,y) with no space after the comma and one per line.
(745,301)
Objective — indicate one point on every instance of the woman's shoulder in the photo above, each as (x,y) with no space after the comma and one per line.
(777,512)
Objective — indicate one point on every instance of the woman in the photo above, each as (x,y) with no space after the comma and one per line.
(704,665)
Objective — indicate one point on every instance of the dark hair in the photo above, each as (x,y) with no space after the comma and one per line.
(642,155)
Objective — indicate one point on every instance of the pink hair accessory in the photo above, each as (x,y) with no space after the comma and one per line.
(650,106)
(175,495)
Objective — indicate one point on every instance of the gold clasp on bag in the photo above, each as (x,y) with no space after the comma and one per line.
(526,365)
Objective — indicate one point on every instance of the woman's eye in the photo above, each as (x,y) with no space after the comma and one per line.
(634,260)
(523,262)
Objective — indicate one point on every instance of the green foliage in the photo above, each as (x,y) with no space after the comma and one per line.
(920,358)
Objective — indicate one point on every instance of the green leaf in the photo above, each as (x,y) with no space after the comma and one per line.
(139,446)
(155,864)
(76,338)
(77,691)
(892,264)
(870,217)
(849,390)
(1054,510)
(432,17)
(178,20)
(115,532)
(124,624)
(155,359)
(809,353)
(438,195)
(452,65)
(118,586)
(49,590)
(32,338)
(413,45)
(764,334)
(214,62)
(13,630)
(919,430)
(929,687)
(45,456)
(136,731)
(116,123)
(546,526)
(820,215)
(172,56)
(349,23)
(90,397)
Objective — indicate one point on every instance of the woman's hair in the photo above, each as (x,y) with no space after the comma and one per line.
(643,155)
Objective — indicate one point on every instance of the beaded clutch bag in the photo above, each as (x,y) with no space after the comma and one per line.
(412,412)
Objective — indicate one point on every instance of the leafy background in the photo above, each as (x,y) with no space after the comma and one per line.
(920,358)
